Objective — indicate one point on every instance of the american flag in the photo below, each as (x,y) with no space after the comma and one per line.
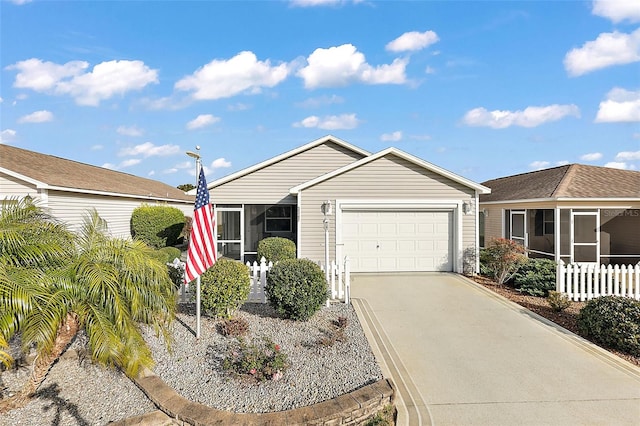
(201,254)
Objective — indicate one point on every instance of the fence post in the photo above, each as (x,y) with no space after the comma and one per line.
(637,281)
(347,281)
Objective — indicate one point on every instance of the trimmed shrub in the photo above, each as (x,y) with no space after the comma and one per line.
(536,277)
(157,226)
(225,287)
(612,321)
(275,249)
(169,253)
(502,258)
(296,288)
(558,301)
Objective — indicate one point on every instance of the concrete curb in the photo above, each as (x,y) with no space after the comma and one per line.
(349,409)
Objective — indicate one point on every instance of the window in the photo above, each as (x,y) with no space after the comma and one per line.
(277,219)
(543,222)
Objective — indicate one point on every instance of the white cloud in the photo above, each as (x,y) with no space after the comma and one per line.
(129,163)
(429,70)
(628,156)
(239,106)
(620,106)
(341,65)
(124,164)
(21,2)
(619,165)
(220,163)
(7,135)
(316,3)
(37,117)
(202,120)
(617,10)
(106,80)
(129,131)
(1,100)
(607,50)
(529,117)
(148,149)
(412,41)
(592,156)
(97,147)
(332,122)
(225,78)
(391,137)
(562,163)
(321,101)
(539,165)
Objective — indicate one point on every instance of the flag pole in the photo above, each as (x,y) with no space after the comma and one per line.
(198,307)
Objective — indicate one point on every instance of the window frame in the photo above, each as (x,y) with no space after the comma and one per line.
(268,219)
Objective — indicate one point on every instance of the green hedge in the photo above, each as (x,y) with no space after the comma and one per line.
(613,322)
(536,277)
(225,287)
(275,249)
(296,288)
(157,226)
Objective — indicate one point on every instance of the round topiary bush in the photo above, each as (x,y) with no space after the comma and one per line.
(157,226)
(612,321)
(275,249)
(170,253)
(296,288)
(225,287)
(536,277)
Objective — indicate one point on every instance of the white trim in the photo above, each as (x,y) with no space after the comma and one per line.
(572,236)
(454,206)
(556,235)
(32,181)
(291,153)
(476,246)
(393,151)
(299,227)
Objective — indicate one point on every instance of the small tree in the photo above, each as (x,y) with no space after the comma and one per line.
(503,258)
(225,287)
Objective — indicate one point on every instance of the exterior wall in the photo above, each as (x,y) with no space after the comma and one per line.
(271,184)
(12,187)
(386,178)
(70,208)
(619,224)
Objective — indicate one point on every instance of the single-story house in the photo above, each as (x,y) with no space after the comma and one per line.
(574,213)
(388,211)
(69,188)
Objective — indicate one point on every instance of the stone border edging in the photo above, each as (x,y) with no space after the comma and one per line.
(348,409)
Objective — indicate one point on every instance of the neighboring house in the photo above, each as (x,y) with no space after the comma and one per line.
(574,213)
(68,189)
(390,211)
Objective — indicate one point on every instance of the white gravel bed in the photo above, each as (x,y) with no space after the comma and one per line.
(76,392)
(316,373)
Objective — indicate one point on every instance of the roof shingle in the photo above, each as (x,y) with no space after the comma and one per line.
(570,181)
(60,172)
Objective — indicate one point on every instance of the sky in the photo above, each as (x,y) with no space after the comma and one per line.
(483,89)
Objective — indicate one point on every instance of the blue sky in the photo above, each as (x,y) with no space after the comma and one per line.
(483,89)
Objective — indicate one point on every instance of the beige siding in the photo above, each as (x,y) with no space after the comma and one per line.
(12,187)
(70,208)
(271,184)
(386,178)
(492,223)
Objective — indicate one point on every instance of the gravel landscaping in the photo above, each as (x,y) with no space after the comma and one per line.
(79,393)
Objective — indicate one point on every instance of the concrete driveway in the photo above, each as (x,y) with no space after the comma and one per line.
(461,355)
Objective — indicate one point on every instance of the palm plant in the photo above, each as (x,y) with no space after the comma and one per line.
(105,286)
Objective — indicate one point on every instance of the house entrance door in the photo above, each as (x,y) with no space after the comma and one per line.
(518,227)
(585,238)
(230,224)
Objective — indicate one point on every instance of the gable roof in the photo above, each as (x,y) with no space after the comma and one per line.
(393,151)
(570,181)
(50,172)
(288,154)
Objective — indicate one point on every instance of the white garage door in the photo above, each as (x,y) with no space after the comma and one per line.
(386,241)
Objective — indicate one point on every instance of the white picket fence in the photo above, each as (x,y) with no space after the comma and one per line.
(585,282)
(339,280)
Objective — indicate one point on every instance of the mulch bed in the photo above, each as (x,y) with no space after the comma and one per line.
(566,319)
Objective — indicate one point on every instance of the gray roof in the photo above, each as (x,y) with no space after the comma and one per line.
(570,181)
(67,174)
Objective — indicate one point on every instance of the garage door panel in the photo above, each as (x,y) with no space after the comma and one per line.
(378,241)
